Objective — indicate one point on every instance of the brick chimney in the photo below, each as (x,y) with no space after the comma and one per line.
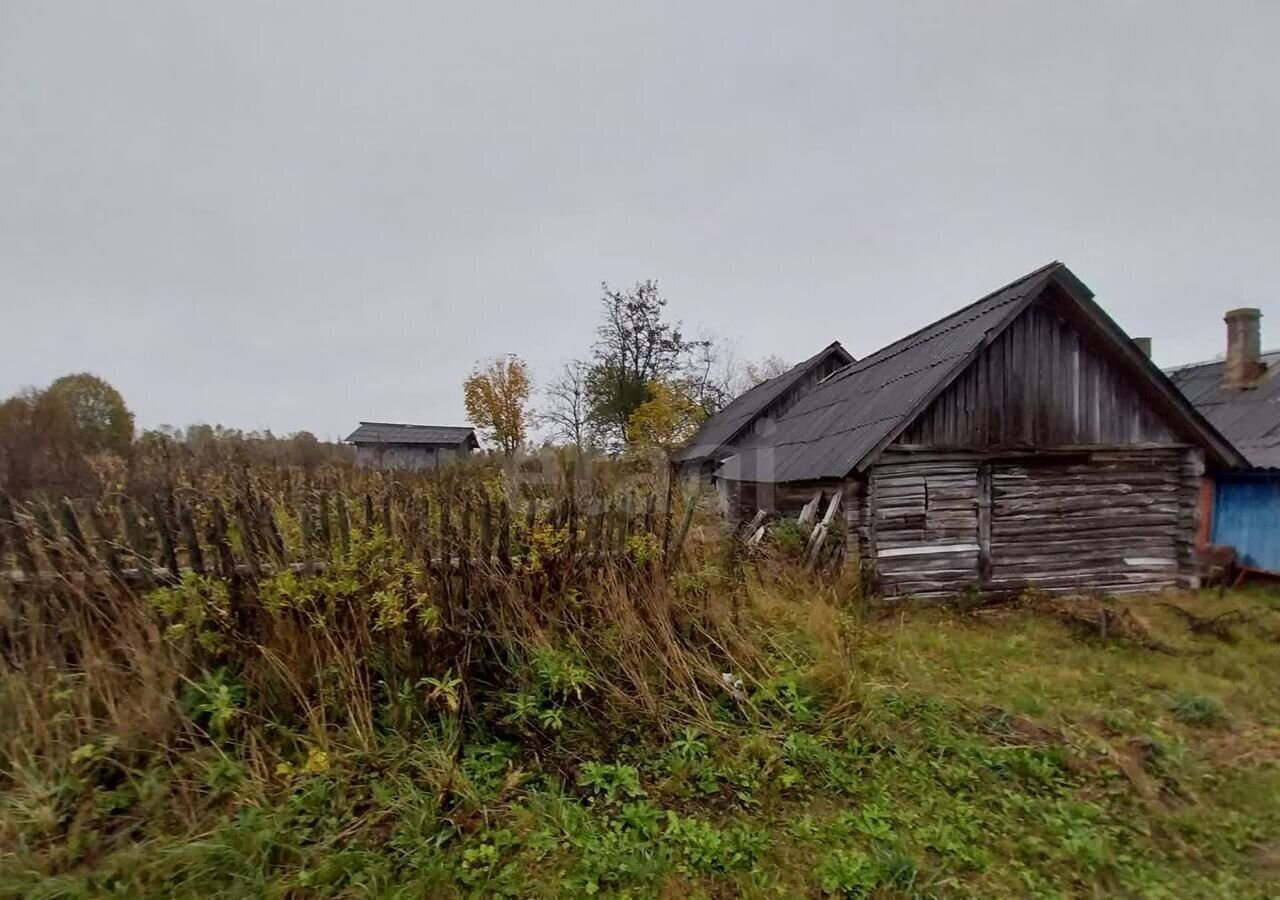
(1244,348)
(1143,344)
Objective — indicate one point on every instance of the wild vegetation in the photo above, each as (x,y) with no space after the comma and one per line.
(622,706)
(235,665)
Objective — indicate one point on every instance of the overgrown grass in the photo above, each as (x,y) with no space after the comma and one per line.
(727,733)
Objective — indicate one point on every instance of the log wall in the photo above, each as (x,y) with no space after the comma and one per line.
(1119,519)
(923,529)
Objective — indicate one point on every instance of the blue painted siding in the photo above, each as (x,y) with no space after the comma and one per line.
(1246,515)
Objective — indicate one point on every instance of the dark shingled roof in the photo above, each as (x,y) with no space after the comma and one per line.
(395,433)
(1248,417)
(725,425)
(845,420)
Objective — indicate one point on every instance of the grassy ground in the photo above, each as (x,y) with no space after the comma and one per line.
(921,752)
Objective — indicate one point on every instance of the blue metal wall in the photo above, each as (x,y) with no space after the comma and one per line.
(1246,515)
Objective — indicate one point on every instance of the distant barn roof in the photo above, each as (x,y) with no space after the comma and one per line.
(1248,417)
(726,424)
(397,433)
(846,419)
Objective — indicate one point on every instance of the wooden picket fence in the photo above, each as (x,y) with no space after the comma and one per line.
(245,537)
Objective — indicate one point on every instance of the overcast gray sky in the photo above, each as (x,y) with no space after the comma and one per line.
(298,215)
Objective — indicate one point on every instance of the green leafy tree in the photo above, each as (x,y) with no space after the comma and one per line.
(635,347)
(96,410)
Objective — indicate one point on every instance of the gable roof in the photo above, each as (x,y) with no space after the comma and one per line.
(731,421)
(843,424)
(1248,417)
(396,433)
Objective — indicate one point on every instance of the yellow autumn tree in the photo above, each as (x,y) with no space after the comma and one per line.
(666,419)
(496,395)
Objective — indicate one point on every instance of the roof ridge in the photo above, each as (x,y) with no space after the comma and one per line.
(1216,361)
(416,425)
(955,320)
(904,344)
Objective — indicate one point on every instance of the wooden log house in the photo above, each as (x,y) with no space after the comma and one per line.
(1240,395)
(1022,441)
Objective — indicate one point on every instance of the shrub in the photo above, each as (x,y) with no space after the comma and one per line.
(1198,709)
(789,536)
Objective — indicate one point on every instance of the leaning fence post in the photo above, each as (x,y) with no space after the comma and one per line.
(326,536)
(307,529)
(271,535)
(504,535)
(571,522)
(189,537)
(425,531)
(138,540)
(18,536)
(684,530)
(344,525)
(608,515)
(167,546)
(107,545)
(486,529)
(446,531)
(666,514)
(248,538)
(4,530)
(530,518)
(71,525)
(49,534)
(221,543)
(628,516)
(464,553)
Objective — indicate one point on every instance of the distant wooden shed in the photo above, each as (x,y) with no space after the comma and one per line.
(1023,440)
(391,445)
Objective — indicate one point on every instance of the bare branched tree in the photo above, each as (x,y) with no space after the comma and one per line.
(761,370)
(712,374)
(566,412)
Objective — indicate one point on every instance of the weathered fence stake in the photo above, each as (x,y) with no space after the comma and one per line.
(344,526)
(684,530)
(326,535)
(189,537)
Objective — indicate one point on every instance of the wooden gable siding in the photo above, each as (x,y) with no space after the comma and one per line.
(1039,384)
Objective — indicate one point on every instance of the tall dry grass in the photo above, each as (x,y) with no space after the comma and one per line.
(148,696)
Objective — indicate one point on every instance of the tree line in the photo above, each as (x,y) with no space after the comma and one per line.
(77,436)
(644,384)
